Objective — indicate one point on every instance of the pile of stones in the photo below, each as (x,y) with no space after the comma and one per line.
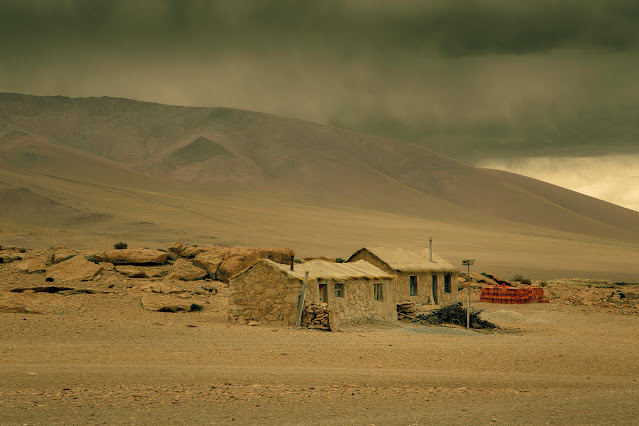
(315,316)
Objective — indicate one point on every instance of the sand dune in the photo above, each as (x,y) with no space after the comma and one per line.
(151,173)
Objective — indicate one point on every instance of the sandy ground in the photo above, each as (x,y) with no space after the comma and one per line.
(103,359)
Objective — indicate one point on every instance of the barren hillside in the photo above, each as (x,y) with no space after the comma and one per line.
(114,168)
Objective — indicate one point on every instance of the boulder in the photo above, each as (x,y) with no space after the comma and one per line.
(163,288)
(177,247)
(32,266)
(76,268)
(62,254)
(162,303)
(9,259)
(192,251)
(186,271)
(131,271)
(238,259)
(211,260)
(21,303)
(221,263)
(132,257)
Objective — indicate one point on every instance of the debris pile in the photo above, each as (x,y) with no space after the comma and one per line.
(315,316)
(406,310)
(451,314)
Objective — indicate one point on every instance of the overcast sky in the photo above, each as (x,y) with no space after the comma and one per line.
(476,80)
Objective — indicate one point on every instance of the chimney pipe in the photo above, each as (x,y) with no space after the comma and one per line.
(430,247)
(292,263)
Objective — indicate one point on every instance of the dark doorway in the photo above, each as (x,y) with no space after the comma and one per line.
(435,291)
(323,293)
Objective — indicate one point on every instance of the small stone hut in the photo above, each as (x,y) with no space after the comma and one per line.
(269,292)
(421,276)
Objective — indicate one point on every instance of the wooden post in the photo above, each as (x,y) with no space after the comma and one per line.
(300,305)
(468,303)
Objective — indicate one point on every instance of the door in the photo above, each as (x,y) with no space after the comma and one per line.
(323,293)
(435,291)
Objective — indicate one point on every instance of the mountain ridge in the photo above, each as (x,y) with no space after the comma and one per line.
(214,158)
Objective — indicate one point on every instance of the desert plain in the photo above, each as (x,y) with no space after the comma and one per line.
(93,352)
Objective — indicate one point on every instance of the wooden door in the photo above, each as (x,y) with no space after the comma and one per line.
(435,291)
(323,293)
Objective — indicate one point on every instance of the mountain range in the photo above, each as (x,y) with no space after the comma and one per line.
(86,171)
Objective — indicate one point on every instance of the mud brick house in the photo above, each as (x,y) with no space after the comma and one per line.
(421,275)
(268,292)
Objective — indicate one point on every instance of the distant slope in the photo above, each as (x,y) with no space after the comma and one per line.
(295,159)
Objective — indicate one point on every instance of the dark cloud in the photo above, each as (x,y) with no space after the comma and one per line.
(466,78)
(451,27)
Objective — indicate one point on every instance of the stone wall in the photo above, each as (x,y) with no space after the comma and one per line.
(358,302)
(263,294)
(424,283)
(448,298)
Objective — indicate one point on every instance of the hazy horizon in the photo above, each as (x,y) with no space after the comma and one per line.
(544,89)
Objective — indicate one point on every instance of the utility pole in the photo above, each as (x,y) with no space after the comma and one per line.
(468,262)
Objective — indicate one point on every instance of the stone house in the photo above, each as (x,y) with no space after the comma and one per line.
(421,275)
(269,291)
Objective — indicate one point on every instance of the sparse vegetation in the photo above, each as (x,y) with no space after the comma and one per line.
(340,260)
(120,245)
(195,307)
(521,279)
(298,260)
(22,250)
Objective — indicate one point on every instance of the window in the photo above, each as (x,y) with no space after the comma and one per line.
(339,290)
(413,285)
(377,291)
(447,283)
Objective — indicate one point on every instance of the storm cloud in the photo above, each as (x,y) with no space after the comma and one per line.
(471,79)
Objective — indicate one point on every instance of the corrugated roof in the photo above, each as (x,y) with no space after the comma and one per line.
(411,260)
(332,271)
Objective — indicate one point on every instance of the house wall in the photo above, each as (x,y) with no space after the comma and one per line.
(424,283)
(424,287)
(447,298)
(263,293)
(358,303)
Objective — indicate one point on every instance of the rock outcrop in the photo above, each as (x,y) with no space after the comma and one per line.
(132,257)
(221,263)
(32,266)
(131,271)
(62,254)
(210,261)
(76,268)
(186,271)
(160,303)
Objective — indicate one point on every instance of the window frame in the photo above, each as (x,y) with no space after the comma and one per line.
(378,292)
(448,278)
(412,285)
(338,290)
